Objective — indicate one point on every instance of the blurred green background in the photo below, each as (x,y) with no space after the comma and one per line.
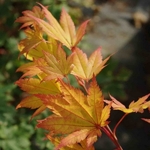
(17,132)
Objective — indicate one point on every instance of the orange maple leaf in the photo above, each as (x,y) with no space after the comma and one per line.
(34,44)
(63,32)
(29,70)
(58,65)
(137,106)
(27,21)
(85,68)
(78,146)
(30,102)
(35,86)
(75,115)
(33,103)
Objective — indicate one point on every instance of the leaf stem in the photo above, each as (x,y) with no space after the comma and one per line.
(83,84)
(114,130)
(67,79)
(112,136)
(85,88)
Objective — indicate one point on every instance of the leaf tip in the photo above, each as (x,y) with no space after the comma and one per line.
(18,106)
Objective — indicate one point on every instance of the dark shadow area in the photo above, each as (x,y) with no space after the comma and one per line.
(135,55)
(133,133)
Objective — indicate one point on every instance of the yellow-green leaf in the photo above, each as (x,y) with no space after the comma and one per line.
(58,65)
(32,46)
(36,86)
(85,68)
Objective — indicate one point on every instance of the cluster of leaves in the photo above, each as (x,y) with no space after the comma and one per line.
(79,114)
(16,133)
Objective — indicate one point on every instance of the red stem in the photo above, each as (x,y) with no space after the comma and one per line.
(114,131)
(112,136)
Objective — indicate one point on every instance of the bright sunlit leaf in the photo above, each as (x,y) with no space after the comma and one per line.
(30,102)
(137,106)
(80,116)
(85,68)
(29,70)
(32,46)
(27,21)
(36,86)
(57,66)
(63,32)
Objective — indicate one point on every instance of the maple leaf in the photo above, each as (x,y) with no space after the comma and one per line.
(33,103)
(27,21)
(58,65)
(63,32)
(35,86)
(146,105)
(145,119)
(30,102)
(34,44)
(34,38)
(85,68)
(81,116)
(30,70)
(78,146)
(137,106)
